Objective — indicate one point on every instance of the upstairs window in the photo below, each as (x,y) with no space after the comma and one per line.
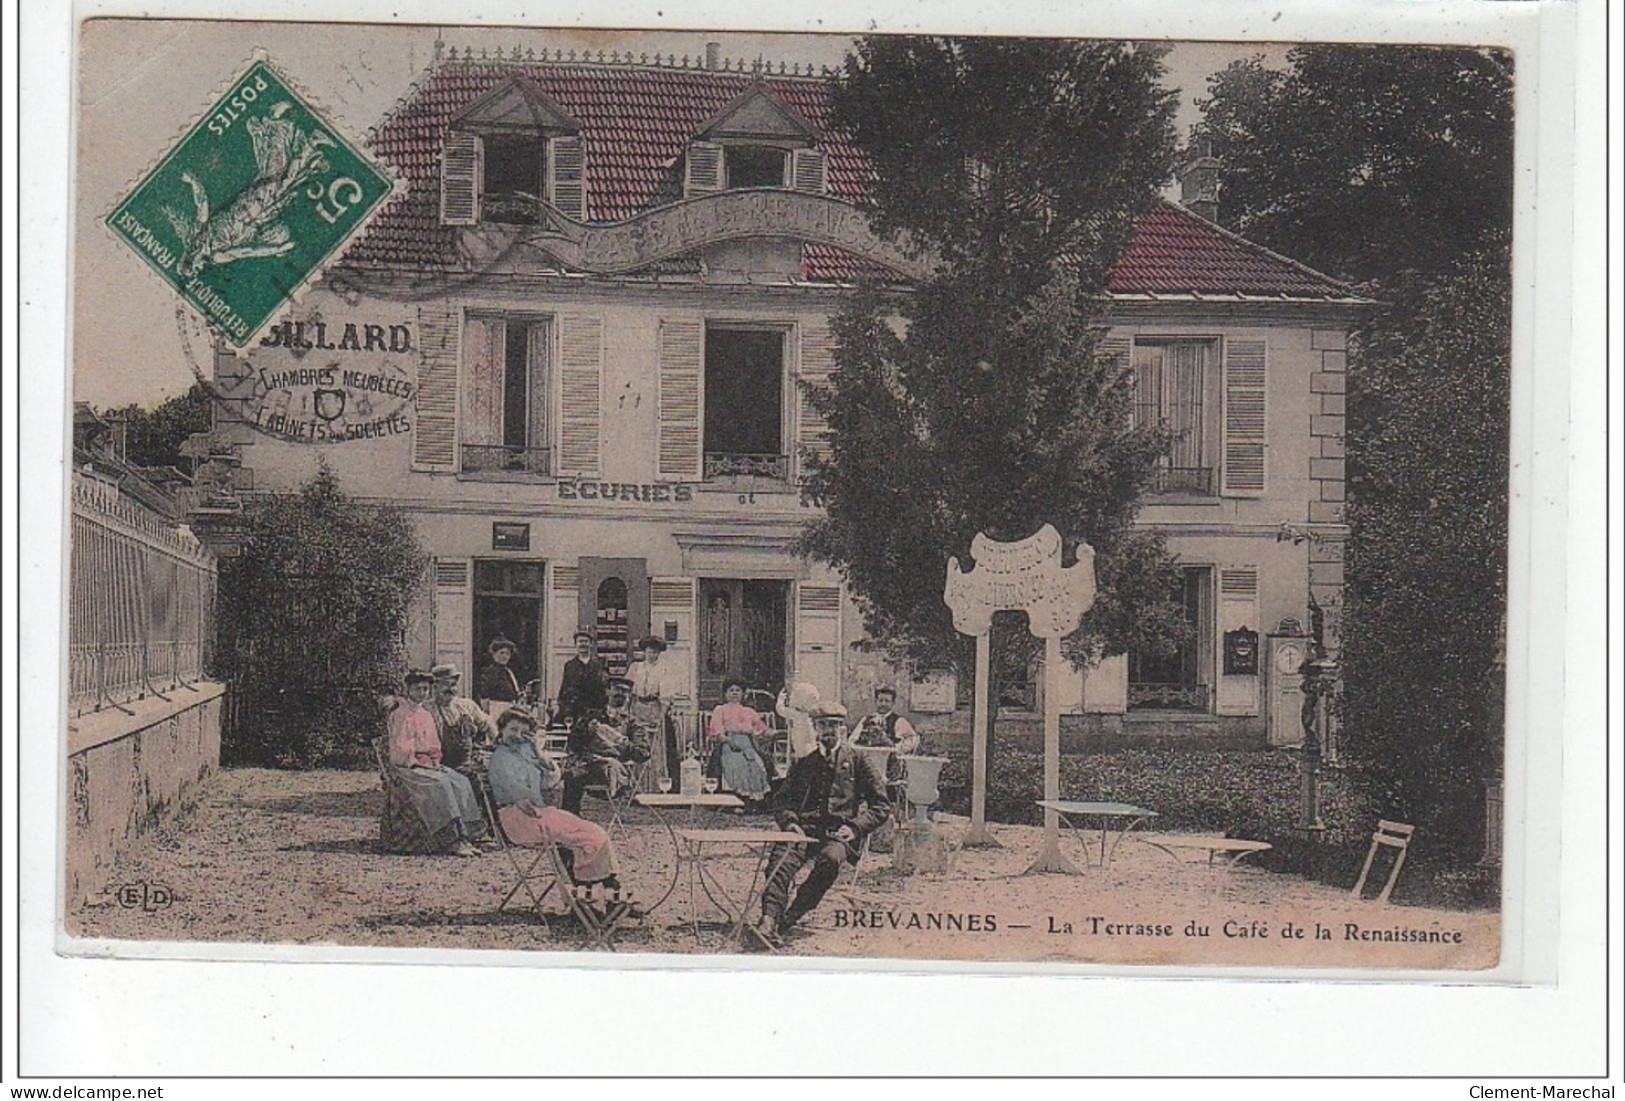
(754,166)
(754,142)
(514,179)
(1175,386)
(744,403)
(504,422)
(507,155)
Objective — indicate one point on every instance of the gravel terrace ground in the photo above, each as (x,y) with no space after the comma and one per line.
(292,857)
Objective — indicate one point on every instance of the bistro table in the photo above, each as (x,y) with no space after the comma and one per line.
(1105,813)
(663,801)
(702,878)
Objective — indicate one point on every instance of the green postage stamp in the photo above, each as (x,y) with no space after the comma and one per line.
(250,203)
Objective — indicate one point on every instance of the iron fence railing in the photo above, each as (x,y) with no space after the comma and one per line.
(1168,697)
(722,464)
(141,601)
(500,457)
(1194,480)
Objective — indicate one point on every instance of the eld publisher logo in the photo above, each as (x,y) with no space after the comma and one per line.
(150,897)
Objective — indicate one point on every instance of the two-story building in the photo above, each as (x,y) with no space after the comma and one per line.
(570,350)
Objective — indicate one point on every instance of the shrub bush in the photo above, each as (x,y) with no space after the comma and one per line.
(312,619)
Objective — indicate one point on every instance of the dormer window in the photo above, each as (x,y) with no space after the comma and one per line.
(507,155)
(756,141)
(753,166)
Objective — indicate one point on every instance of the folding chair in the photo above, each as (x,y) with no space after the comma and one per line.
(400,827)
(597,909)
(1395,835)
(846,881)
(529,870)
(638,779)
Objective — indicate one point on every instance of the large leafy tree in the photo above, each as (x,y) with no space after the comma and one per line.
(981,400)
(155,437)
(311,624)
(1392,167)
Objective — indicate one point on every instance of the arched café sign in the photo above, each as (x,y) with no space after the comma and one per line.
(320,380)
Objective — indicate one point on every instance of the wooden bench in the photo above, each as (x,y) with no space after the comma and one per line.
(1173,844)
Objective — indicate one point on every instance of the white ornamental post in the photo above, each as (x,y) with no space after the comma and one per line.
(1022,576)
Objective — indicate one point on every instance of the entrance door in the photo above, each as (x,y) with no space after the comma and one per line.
(508,602)
(744,634)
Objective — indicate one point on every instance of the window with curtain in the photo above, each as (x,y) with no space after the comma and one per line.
(504,423)
(1173,387)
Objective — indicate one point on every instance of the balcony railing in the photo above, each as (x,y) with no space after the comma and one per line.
(723,464)
(500,458)
(1194,480)
(1167,697)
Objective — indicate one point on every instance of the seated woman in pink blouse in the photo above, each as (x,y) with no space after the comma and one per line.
(440,796)
(733,731)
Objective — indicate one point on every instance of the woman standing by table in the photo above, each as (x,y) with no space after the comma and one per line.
(655,684)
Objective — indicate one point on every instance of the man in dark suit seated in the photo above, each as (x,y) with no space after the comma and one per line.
(604,746)
(834,796)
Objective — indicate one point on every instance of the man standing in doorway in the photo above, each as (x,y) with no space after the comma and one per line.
(584,688)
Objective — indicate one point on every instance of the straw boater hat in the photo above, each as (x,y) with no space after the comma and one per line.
(500,643)
(446,672)
(827,710)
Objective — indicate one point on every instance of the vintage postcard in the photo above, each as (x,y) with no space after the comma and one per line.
(999,501)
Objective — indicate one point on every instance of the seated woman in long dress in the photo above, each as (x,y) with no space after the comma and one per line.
(441,796)
(522,783)
(733,731)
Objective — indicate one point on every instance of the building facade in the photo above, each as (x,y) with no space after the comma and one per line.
(570,349)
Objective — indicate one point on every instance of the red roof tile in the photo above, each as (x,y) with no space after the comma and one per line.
(636,121)
(1175,253)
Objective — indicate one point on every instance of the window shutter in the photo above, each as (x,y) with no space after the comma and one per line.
(1119,349)
(817,365)
(453,612)
(1238,608)
(809,171)
(567,177)
(434,436)
(1244,419)
(460,179)
(581,366)
(682,380)
(818,638)
(703,170)
(484,359)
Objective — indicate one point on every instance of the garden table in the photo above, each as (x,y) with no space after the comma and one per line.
(736,911)
(1105,813)
(663,801)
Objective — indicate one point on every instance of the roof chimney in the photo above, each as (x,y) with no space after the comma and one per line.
(1199,185)
(713,55)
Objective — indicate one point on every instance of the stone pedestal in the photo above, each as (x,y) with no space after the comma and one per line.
(922,847)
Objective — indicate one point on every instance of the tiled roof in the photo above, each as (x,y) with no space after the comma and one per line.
(636,121)
(1173,253)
